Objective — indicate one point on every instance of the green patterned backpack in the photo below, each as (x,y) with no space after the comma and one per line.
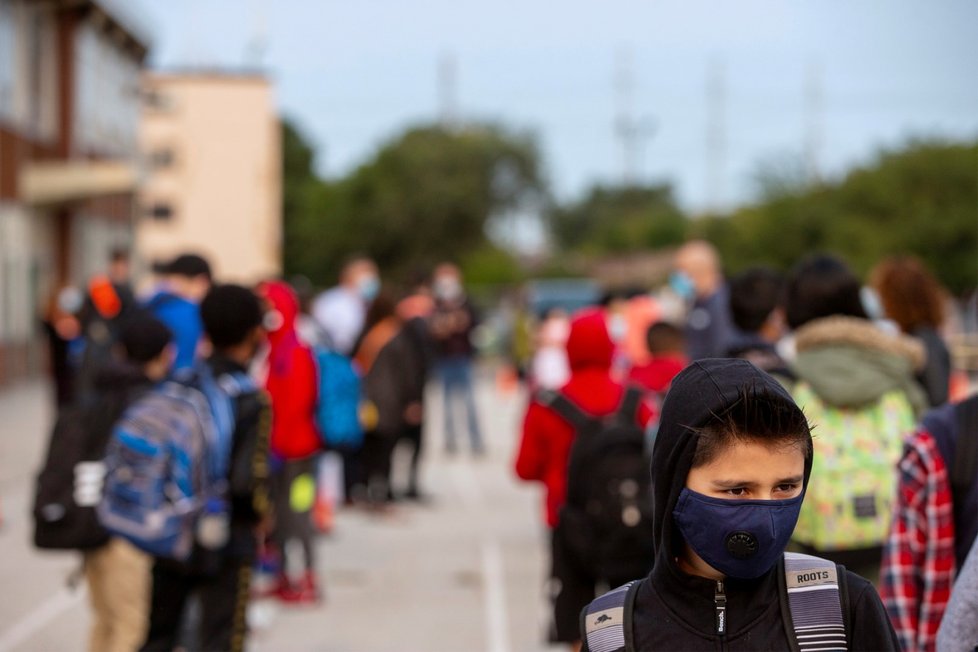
(854,475)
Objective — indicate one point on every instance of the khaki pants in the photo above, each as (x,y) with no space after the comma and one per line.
(119,577)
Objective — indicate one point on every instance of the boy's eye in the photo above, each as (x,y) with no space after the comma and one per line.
(787,488)
(736,491)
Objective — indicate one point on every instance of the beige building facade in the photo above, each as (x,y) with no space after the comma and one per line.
(212,154)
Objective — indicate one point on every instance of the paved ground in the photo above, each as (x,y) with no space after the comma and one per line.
(464,572)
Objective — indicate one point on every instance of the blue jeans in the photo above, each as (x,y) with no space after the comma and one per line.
(456,378)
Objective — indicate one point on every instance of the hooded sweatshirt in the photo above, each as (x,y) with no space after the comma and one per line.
(676,611)
(291,381)
(547,437)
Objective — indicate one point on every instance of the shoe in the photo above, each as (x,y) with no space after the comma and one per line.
(306,592)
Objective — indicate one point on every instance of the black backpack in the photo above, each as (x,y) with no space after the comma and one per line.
(70,483)
(606,522)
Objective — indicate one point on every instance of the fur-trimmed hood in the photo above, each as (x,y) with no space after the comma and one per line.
(850,362)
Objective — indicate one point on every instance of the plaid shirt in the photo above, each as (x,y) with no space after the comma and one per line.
(918,559)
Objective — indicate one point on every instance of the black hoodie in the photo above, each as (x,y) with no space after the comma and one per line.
(676,611)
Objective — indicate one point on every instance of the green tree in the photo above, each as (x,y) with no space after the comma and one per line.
(425,196)
(615,218)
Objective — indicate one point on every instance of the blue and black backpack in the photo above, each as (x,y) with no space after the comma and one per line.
(168,460)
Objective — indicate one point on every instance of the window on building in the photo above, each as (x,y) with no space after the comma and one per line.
(161,211)
(161,158)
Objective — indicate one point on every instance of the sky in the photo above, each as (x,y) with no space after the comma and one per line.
(721,89)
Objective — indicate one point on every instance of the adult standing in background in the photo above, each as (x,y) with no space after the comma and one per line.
(914,300)
(452,323)
(340,311)
(697,278)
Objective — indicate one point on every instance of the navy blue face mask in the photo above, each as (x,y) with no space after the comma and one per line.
(740,538)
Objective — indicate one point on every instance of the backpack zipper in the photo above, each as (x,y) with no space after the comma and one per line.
(720,600)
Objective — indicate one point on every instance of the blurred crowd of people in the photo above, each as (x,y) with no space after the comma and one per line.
(321,390)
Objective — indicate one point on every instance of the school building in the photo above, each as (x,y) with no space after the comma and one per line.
(212,143)
(69,114)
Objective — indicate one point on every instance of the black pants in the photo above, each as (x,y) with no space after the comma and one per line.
(377,451)
(573,585)
(223,601)
(411,436)
(294,522)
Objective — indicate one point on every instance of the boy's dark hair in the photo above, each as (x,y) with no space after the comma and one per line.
(756,416)
(819,286)
(143,337)
(663,337)
(754,294)
(230,313)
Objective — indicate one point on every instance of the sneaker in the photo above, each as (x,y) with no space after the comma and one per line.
(306,592)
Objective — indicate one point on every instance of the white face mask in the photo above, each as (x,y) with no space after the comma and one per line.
(617,328)
(448,289)
(272,321)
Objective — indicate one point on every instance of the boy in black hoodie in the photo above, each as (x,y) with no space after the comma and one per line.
(729,471)
(118,573)
(232,317)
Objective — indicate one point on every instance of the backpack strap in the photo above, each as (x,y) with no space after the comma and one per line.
(564,407)
(630,403)
(606,623)
(811,604)
(964,471)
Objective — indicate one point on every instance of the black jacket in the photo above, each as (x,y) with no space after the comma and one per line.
(248,479)
(676,611)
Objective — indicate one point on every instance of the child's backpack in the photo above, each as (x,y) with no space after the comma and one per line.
(69,486)
(168,461)
(811,591)
(606,522)
(338,407)
(850,493)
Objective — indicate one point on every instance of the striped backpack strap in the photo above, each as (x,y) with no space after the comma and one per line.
(607,622)
(812,603)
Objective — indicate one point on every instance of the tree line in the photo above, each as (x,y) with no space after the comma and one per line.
(430,193)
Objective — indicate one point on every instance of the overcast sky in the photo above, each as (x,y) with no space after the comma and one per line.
(849,76)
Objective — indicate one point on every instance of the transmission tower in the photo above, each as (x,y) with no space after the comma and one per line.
(716,137)
(631,132)
(448,90)
(813,120)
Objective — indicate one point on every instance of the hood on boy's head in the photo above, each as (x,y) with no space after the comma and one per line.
(589,344)
(283,299)
(701,393)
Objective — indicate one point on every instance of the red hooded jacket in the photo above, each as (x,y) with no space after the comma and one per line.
(292,381)
(547,438)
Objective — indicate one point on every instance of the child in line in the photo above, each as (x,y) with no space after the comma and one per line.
(729,472)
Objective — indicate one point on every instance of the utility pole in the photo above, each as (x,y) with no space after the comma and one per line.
(813,120)
(258,43)
(448,90)
(716,138)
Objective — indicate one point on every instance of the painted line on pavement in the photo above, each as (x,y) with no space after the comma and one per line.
(47,611)
(497,620)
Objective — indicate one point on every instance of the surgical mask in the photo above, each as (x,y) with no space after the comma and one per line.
(368,287)
(871,303)
(742,539)
(682,284)
(272,321)
(617,328)
(448,289)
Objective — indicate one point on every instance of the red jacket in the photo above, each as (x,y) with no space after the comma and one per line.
(292,380)
(547,438)
(656,375)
